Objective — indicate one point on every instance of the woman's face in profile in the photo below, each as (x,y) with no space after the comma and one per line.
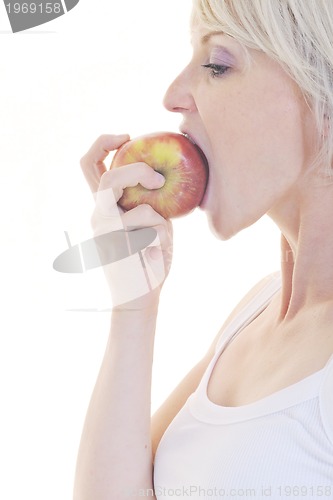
(251,122)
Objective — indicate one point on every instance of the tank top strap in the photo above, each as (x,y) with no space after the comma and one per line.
(251,310)
(326,399)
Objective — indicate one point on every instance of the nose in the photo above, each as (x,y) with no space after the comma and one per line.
(178,97)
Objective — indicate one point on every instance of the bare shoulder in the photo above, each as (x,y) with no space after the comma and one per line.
(176,400)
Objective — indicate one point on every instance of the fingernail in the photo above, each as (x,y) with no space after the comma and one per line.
(154,253)
(160,179)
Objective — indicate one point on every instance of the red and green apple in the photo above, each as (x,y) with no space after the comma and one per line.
(178,159)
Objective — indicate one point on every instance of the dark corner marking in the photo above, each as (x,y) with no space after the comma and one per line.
(27,14)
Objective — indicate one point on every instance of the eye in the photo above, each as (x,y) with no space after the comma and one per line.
(216,70)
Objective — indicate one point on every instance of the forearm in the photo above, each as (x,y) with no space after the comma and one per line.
(115,456)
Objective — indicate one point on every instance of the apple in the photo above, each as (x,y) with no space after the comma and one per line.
(178,159)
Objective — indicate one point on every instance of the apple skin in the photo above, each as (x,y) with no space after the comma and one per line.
(181,162)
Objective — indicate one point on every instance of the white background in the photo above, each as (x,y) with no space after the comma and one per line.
(102,68)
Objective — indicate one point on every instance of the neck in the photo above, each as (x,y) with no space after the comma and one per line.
(307,250)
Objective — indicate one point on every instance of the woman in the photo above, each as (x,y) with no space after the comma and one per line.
(254,417)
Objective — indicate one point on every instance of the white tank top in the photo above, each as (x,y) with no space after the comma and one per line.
(278,447)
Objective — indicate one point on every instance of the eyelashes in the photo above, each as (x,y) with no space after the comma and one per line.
(219,61)
(216,70)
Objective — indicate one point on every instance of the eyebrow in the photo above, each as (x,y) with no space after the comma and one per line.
(205,39)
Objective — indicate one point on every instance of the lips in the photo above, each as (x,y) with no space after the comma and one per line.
(203,202)
(194,141)
(189,136)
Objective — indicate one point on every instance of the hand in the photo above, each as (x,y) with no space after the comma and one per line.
(135,281)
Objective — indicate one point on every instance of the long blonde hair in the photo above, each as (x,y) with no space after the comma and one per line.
(296,33)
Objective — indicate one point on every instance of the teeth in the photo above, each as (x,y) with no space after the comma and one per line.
(189,138)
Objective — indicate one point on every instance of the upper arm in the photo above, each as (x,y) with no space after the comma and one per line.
(176,400)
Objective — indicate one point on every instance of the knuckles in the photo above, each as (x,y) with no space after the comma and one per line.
(126,175)
(146,212)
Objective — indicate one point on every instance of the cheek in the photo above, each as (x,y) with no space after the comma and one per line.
(260,136)
(258,154)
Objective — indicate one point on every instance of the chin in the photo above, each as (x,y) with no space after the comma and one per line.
(222,230)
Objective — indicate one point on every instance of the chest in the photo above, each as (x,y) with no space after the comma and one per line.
(237,453)
(263,359)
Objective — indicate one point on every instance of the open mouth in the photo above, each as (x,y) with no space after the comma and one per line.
(189,138)
(204,158)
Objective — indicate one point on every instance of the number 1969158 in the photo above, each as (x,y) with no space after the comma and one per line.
(34,8)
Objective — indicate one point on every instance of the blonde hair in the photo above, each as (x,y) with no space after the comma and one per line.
(296,33)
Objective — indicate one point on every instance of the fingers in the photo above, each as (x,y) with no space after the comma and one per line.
(145,267)
(115,219)
(107,214)
(92,163)
(130,175)
(142,216)
(141,265)
(159,253)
